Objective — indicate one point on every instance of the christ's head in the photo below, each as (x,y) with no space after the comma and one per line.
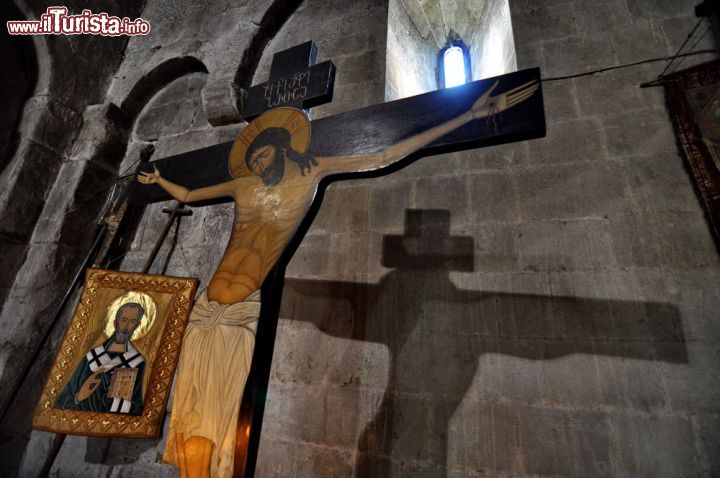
(127,320)
(267,153)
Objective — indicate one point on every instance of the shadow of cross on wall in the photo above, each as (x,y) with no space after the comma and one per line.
(436,335)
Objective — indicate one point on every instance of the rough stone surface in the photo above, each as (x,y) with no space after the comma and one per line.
(417,30)
(560,321)
(489,36)
(410,68)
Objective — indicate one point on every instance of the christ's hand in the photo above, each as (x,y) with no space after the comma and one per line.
(149,178)
(488,105)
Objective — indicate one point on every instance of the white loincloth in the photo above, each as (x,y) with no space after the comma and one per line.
(214,364)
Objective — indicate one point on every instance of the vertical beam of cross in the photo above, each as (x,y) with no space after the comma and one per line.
(295,80)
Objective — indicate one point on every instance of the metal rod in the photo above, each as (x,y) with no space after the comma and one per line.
(174,213)
(54,452)
(173,245)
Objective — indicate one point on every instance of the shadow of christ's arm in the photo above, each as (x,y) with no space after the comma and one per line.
(525,325)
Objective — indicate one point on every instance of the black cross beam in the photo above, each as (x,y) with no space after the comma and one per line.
(295,80)
(371,129)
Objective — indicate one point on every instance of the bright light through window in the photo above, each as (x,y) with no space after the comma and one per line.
(454,66)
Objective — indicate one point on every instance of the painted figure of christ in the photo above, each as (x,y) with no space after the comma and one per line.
(274,184)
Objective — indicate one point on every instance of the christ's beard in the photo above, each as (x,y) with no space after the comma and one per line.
(274,174)
(122,337)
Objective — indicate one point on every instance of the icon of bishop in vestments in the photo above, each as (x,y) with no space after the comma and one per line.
(110,377)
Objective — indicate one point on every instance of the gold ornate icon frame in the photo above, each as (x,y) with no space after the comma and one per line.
(160,345)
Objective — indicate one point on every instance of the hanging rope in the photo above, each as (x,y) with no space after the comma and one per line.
(707,30)
(626,65)
(677,53)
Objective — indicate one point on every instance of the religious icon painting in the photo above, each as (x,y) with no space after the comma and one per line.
(113,371)
(693,99)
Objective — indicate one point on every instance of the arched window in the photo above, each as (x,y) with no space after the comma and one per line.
(419,33)
(454,64)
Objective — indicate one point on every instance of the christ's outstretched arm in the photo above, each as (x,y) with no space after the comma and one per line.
(183,194)
(483,107)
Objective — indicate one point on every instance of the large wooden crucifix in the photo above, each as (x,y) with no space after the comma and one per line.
(275,173)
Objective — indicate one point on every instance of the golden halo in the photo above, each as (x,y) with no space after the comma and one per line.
(293,120)
(148,318)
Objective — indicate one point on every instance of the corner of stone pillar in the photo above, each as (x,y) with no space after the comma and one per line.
(50,122)
(223,101)
(104,136)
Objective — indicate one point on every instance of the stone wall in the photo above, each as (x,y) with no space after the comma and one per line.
(556,320)
(411,65)
(52,118)
(492,46)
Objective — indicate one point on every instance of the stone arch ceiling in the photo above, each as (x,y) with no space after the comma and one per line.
(437,18)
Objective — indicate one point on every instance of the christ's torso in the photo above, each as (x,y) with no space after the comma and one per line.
(266,217)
